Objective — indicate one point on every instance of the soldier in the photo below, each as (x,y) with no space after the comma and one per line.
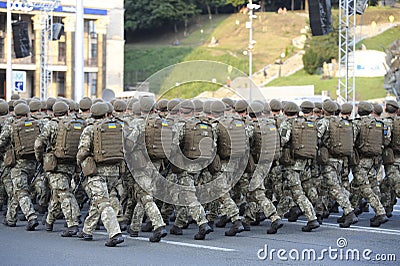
(186,136)
(59,167)
(390,186)
(99,173)
(347,109)
(21,134)
(369,135)
(336,139)
(265,147)
(5,181)
(84,105)
(144,170)
(299,144)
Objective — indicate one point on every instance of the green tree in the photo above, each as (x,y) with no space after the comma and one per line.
(236,3)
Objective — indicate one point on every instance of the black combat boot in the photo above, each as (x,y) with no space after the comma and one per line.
(32,224)
(175,230)
(123,226)
(211,224)
(320,218)
(341,219)
(9,224)
(222,222)
(204,229)
(148,227)
(294,214)
(70,231)
(236,228)
(275,225)
(115,240)
(159,233)
(310,226)
(85,236)
(349,219)
(246,226)
(376,221)
(48,227)
(132,233)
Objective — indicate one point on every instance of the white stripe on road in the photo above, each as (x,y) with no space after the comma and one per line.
(360,228)
(176,243)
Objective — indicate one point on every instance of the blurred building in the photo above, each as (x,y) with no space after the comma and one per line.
(103,48)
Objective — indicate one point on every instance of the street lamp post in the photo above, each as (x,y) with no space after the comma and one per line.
(9,53)
(252,42)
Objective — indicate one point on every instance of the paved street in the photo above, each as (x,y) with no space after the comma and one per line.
(360,245)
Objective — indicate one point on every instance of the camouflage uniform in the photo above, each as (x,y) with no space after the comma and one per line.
(97,188)
(59,179)
(20,174)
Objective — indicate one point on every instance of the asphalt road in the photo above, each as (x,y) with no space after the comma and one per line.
(331,244)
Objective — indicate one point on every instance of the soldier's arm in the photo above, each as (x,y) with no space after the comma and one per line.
(356,129)
(322,127)
(5,136)
(42,141)
(285,131)
(85,148)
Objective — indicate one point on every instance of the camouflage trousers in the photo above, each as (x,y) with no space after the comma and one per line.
(6,183)
(144,198)
(330,177)
(40,190)
(100,207)
(344,177)
(293,178)
(361,186)
(309,186)
(390,186)
(193,208)
(20,174)
(61,194)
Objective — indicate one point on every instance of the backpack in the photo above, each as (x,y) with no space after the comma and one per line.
(107,142)
(25,131)
(266,141)
(304,138)
(341,139)
(68,136)
(198,141)
(395,140)
(158,137)
(232,139)
(370,142)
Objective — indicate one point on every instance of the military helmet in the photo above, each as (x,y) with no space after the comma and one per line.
(329,106)
(21,109)
(217,107)
(15,97)
(255,108)
(198,105)
(378,109)
(173,105)
(241,106)
(3,108)
(50,102)
(186,107)
(347,108)
(307,105)
(120,105)
(60,108)
(207,106)
(275,105)
(85,103)
(147,104)
(365,108)
(291,107)
(35,105)
(99,109)
(162,105)
(392,103)
(19,101)
(136,108)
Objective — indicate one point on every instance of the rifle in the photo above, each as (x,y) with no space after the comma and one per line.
(166,170)
(82,177)
(39,170)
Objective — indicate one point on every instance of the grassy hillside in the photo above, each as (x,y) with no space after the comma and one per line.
(273,33)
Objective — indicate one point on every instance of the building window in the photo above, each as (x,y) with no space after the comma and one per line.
(93,83)
(1,48)
(61,52)
(93,50)
(60,79)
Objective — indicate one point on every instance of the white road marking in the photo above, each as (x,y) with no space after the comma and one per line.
(177,243)
(360,228)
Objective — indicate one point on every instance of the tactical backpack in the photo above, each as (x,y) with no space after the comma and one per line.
(304,138)
(266,141)
(341,137)
(158,137)
(68,136)
(198,134)
(25,131)
(232,139)
(395,140)
(107,142)
(370,142)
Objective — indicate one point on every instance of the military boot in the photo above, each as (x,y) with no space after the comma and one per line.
(320,218)
(294,214)
(389,211)
(70,231)
(222,222)
(310,226)
(159,233)
(341,219)
(246,226)
(204,229)
(349,219)
(242,208)
(122,225)
(275,225)
(148,227)
(175,230)
(9,224)
(48,227)
(376,221)
(237,227)
(115,240)
(211,224)
(132,233)
(334,208)
(84,236)
(32,224)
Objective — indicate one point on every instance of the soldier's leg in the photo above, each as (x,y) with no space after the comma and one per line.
(137,218)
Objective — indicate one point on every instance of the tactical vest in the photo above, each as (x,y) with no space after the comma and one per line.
(25,131)
(107,142)
(68,136)
(395,138)
(341,139)
(198,141)
(158,137)
(304,138)
(232,140)
(266,141)
(370,141)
